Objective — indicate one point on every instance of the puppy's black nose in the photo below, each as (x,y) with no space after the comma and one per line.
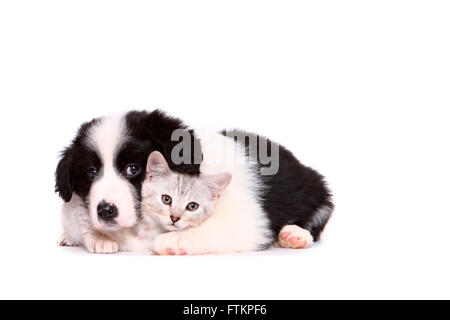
(107,211)
(174,219)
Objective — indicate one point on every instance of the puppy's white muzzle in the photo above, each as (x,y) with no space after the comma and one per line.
(112,203)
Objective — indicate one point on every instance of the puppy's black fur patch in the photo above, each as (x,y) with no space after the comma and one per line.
(75,161)
(294,194)
(155,130)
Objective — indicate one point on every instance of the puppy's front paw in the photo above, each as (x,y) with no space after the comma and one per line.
(294,237)
(65,241)
(172,243)
(98,245)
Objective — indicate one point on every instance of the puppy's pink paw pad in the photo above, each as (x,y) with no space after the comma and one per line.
(284,235)
(294,237)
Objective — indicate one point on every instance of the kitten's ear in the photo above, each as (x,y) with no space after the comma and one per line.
(157,165)
(217,183)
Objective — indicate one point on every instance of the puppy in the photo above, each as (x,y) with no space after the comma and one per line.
(100,175)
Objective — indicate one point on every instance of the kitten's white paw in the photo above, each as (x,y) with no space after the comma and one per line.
(96,245)
(64,241)
(292,236)
(172,243)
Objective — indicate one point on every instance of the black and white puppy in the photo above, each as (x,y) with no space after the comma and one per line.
(100,175)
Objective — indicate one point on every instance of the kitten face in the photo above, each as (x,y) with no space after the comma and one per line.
(178,201)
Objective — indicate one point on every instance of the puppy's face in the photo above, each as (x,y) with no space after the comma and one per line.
(105,165)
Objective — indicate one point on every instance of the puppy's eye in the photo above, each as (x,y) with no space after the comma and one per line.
(132,170)
(91,173)
(192,206)
(166,199)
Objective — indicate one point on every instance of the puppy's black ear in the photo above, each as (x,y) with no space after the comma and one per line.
(63,176)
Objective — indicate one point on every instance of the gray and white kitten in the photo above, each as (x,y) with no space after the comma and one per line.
(178,201)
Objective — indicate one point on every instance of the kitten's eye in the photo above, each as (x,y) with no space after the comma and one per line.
(91,173)
(166,199)
(192,206)
(132,170)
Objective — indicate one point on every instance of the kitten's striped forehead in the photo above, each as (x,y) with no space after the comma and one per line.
(184,184)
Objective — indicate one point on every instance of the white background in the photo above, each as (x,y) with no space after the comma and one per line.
(357,89)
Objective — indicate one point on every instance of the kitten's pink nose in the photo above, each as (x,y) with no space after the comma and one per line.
(174,219)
